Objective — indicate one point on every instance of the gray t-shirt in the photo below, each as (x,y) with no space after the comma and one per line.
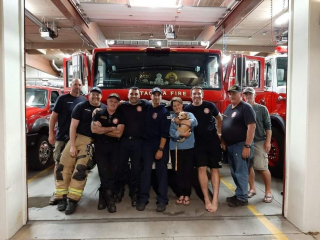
(263,122)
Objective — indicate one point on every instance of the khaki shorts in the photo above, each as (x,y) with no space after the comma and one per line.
(260,157)
(58,147)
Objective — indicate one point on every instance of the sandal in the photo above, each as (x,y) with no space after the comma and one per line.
(251,194)
(180,200)
(268,199)
(186,202)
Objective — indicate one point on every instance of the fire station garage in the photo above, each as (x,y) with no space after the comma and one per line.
(268,47)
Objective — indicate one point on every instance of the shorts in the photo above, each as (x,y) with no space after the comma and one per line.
(260,157)
(58,148)
(208,152)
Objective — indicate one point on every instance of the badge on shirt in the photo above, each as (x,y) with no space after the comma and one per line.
(154,115)
(115,121)
(206,110)
(139,108)
(234,114)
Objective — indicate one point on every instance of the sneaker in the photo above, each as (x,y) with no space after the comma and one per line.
(72,207)
(62,204)
(235,202)
(229,199)
(161,207)
(141,206)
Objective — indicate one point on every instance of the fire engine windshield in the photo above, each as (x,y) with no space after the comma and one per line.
(282,63)
(36,97)
(145,70)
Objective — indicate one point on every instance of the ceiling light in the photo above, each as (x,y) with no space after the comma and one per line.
(282,19)
(151,35)
(110,42)
(250,37)
(264,33)
(155,3)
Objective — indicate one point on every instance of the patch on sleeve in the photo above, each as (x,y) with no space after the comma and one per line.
(168,117)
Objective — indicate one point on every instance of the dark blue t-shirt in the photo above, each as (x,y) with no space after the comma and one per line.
(205,115)
(64,106)
(235,122)
(83,113)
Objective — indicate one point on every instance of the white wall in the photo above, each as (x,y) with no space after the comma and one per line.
(13,196)
(303,114)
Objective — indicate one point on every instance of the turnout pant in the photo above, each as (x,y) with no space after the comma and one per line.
(149,151)
(106,155)
(71,173)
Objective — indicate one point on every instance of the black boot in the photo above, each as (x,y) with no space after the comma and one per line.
(119,195)
(102,199)
(111,205)
(134,197)
(62,203)
(72,207)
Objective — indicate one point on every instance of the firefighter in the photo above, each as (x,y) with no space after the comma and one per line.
(155,149)
(131,145)
(61,113)
(108,126)
(207,148)
(76,159)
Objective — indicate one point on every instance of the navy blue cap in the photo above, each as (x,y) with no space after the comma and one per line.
(96,89)
(234,88)
(156,89)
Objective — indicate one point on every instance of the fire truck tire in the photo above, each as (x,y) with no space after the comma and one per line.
(276,154)
(40,156)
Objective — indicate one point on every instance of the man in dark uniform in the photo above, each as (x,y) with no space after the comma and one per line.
(238,127)
(131,145)
(61,113)
(207,144)
(155,148)
(76,159)
(108,126)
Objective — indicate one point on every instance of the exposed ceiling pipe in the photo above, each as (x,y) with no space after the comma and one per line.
(54,66)
(35,20)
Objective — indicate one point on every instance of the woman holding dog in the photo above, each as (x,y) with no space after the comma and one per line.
(181,149)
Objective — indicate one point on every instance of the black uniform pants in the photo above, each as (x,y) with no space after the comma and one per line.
(183,175)
(130,148)
(107,161)
(149,151)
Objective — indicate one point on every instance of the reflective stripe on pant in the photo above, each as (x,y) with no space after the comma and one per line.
(72,172)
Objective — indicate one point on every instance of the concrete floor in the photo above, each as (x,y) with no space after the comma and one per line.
(257,221)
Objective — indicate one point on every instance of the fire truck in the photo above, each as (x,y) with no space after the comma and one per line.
(175,66)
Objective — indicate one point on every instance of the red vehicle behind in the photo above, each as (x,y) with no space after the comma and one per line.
(39,104)
(173,68)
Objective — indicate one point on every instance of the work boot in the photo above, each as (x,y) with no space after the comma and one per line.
(229,199)
(53,200)
(161,207)
(62,204)
(134,199)
(235,202)
(119,195)
(102,204)
(111,205)
(72,207)
(141,206)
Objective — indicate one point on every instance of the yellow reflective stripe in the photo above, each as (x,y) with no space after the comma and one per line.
(75,191)
(60,191)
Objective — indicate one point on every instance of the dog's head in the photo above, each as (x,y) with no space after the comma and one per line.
(183,116)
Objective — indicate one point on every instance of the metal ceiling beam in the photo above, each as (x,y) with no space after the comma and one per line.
(55,45)
(244,8)
(90,31)
(41,63)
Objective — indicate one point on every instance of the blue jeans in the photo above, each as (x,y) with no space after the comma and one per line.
(239,169)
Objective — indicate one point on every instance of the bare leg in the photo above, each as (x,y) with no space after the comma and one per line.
(215,180)
(203,180)
(266,177)
(252,186)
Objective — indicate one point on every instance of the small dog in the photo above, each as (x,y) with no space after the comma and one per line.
(182,127)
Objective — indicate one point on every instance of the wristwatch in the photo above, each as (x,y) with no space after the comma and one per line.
(247,146)
(160,149)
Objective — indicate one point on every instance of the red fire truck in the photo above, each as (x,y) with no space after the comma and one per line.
(175,66)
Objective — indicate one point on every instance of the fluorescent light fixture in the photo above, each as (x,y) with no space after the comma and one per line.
(284,18)
(204,43)
(67,55)
(159,43)
(110,42)
(155,3)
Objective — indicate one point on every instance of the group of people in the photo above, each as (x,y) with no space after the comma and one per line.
(146,133)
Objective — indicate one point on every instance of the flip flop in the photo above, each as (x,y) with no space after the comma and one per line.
(186,202)
(251,194)
(179,201)
(268,199)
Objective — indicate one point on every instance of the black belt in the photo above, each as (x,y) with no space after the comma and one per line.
(106,141)
(132,138)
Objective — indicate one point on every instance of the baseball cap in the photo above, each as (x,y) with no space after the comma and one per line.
(234,88)
(114,95)
(249,90)
(96,89)
(156,89)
